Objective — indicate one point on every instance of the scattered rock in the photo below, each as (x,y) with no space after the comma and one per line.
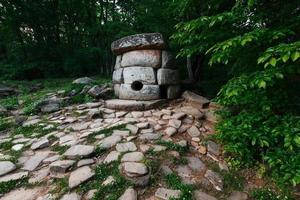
(192,111)
(194,131)
(236,195)
(13,177)
(129,194)
(79,176)
(213,148)
(85,162)
(71,196)
(132,128)
(170,131)
(61,166)
(34,161)
(215,179)
(112,156)
(134,169)
(196,164)
(17,147)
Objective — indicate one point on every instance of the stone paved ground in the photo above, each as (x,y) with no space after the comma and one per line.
(85,151)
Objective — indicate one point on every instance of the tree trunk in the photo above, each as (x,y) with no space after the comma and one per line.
(189,68)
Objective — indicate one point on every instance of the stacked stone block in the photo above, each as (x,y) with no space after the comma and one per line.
(144,69)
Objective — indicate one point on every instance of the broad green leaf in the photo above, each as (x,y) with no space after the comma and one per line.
(273,62)
(262,84)
(285,57)
(295,56)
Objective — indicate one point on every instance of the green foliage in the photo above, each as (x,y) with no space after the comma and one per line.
(267,194)
(60,149)
(174,181)
(258,42)
(111,191)
(7,186)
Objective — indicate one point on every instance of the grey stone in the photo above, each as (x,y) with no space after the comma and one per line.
(118,76)
(39,176)
(109,142)
(132,128)
(34,161)
(195,100)
(213,148)
(84,80)
(215,179)
(143,58)
(193,131)
(71,196)
(189,110)
(170,131)
(130,105)
(149,136)
(167,77)
(112,156)
(79,151)
(145,75)
(61,166)
(117,89)
(23,194)
(100,91)
(196,164)
(108,181)
(166,194)
(79,176)
(118,62)
(158,148)
(125,147)
(51,107)
(17,147)
(147,92)
(175,123)
(173,91)
(42,143)
(85,162)
(167,60)
(13,177)
(129,194)
(236,195)
(198,195)
(134,169)
(133,157)
(6,167)
(121,133)
(139,41)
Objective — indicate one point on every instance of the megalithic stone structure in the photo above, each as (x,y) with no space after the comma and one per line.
(144,69)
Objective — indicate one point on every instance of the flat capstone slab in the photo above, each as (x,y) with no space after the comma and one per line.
(138,41)
(133,105)
(79,151)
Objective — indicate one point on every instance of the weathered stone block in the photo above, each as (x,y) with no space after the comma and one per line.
(117,89)
(118,75)
(143,58)
(167,77)
(147,92)
(173,91)
(145,75)
(118,62)
(139,41)
(167,60)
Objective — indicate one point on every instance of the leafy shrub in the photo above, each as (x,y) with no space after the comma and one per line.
(267,194)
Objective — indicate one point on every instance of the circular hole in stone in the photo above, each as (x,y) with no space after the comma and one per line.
(137,85)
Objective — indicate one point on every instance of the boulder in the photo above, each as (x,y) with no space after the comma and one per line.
(139,41)
(118,62)
(100,91)
(167,77)
(79,176)
(143,58)
(6,167)
(146,92)
(129,194)
(84,81)
(7,91)
(79,151)
(145,75)
(196,100)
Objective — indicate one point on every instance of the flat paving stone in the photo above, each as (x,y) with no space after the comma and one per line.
(166,194)
(42,143)
(150,136)
(125,147)
(79,151)
(112,156)
(133,105)
(134,168)
(34,161)
(194,131)
(79,176)
(196,164)
(23,194)
(129,194)
(13,177)
(215,179)
(198,195)
(133,157)
(109,142)
(71,196)
(61,166)
(6,167)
